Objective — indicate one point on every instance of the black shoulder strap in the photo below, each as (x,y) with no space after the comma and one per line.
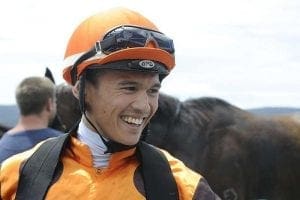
(38,171)
(159,181)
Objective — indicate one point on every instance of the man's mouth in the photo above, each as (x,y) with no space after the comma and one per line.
(132,120)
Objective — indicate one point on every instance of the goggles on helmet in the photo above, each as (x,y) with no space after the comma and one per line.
(123,37)
(131,36)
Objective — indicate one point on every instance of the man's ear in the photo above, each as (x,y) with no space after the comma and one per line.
(50,105)
(75,90)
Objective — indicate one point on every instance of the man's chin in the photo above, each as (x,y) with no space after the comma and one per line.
(131,142)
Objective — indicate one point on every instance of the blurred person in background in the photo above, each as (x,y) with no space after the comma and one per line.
(35,97)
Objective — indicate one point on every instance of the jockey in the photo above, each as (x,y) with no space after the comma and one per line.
(116,61)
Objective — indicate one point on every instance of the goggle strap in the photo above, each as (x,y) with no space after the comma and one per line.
(98,46)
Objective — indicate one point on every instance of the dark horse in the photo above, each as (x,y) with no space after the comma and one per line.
(242,156)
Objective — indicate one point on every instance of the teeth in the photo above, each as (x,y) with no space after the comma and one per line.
(131,120)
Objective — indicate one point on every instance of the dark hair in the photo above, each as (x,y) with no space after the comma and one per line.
(33,93)
(93,74)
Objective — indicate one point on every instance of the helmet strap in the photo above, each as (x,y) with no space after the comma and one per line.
(82,104)
(82,81)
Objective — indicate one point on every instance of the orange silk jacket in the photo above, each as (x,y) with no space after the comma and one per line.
(120,180)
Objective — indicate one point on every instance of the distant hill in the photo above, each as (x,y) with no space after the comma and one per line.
(9,115)
(271,111)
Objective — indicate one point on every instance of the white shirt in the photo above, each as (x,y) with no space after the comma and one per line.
(96,145)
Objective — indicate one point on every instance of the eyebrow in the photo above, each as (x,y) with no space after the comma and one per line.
(124,83)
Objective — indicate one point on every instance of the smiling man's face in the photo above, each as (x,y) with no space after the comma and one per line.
(122,103)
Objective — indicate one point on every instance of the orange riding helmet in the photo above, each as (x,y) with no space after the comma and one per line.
(115,35)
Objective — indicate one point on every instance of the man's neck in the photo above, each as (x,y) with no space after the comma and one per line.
(30,122)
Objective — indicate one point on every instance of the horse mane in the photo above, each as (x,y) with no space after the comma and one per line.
(191,119)
(168,104)
(212,113)
(204,110)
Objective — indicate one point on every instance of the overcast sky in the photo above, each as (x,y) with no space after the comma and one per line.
(244,51)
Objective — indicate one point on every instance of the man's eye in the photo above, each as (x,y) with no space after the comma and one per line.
(130,88)
(154,90)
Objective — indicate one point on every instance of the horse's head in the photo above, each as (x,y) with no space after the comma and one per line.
(68,110)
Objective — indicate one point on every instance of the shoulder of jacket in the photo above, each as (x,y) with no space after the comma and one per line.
(187,179)
(178,165)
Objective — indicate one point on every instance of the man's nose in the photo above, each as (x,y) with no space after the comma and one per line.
(141,103)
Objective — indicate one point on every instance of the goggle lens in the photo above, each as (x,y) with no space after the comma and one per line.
(130,36)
